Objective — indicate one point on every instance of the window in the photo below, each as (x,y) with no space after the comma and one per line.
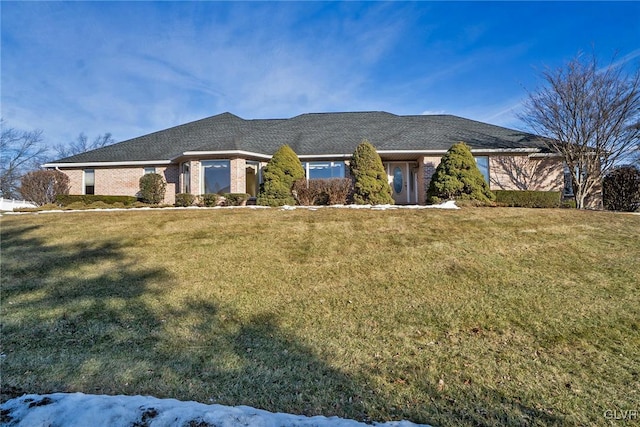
(483,165)
(89,181)
(568,182)
(323,170)
(216,176)
(149,170)
(186,178)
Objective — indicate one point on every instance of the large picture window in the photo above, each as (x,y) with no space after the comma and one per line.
(323,170)
(483,165)
(216,176)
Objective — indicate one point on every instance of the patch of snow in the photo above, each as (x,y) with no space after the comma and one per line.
(78,409)
(451,204)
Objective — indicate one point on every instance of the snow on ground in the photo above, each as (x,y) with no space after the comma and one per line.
(451,204)
(78,409)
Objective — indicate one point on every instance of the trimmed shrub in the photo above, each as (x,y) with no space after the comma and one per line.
(235,199)
(621,189)
(209,200)
(152,188)
(279,174)
(184,199)
(86,199)
(370,182)
(42,186)
(333,191)
(457,177)
(306,192)
(338,190)
(528,199)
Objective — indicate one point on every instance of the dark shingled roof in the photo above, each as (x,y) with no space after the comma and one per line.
(313,134)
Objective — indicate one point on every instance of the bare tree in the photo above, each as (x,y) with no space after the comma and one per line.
(42,186)
(589,115)
(82,144)
(20,151)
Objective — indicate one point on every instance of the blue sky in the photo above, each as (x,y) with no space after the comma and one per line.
(131,68)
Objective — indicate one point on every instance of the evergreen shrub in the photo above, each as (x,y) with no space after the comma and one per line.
(370,182)
(457,177)
(152,188)
(279,174)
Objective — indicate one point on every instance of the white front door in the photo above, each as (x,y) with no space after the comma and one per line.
(399,181)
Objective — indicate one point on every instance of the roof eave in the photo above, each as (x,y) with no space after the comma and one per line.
(104,164)
(239,153)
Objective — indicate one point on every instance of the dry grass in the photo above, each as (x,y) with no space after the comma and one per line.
(471,317)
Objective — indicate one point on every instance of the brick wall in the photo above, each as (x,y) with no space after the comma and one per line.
(122,181)
(238,175)
(426,168)
(526,173)
(75,180)
(505,172)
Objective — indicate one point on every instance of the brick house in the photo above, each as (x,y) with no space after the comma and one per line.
(226,154)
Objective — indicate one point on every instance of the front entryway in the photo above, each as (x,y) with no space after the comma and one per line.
(402,179)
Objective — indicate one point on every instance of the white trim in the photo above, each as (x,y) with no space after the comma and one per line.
(411,151)
(101,164)
(325,156)
(534,152)
(222,153)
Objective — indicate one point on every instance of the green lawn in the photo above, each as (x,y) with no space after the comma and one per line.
(481,316)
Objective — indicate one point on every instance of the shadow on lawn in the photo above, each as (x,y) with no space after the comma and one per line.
(65,308)
(70,324)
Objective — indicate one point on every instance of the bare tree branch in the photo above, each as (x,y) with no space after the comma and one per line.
(21,151)
(589,115)
(82,144)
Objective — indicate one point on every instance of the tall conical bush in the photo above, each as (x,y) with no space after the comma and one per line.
(370,182)
(279,174)
(457,177)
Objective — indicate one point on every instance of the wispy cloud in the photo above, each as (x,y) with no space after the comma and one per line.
(135,67)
